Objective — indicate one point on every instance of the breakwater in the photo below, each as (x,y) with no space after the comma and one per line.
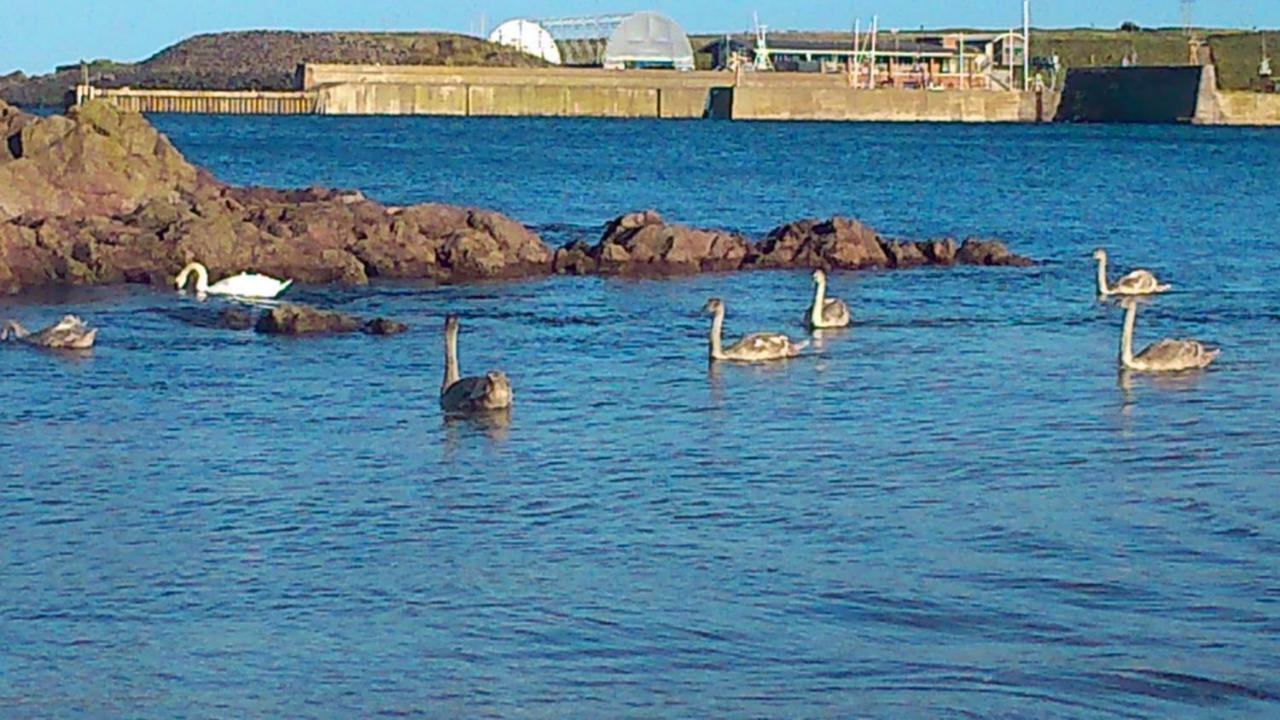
(1185,94)
(207,102)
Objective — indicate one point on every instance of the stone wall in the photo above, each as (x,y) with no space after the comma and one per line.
(1248,108)
(752,102)
(373,90)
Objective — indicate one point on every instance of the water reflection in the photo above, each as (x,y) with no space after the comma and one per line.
(823,338)
(494,425)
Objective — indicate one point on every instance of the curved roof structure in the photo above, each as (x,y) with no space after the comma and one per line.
(527,36)
(648,39)
(644,39)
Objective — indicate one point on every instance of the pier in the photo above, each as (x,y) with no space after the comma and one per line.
(209,102)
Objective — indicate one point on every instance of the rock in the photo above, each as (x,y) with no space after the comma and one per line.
(903,254)
(642,243)
(939,252)
(304,320)
(96,160)
(384,326)
(235,318)
(989,252)
(835,243)
(574,259)
(99,196)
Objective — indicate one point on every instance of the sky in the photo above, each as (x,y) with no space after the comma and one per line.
(37,35)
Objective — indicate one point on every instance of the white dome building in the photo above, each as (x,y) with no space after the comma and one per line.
(616,42)
(528,36)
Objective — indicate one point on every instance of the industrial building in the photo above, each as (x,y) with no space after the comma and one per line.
(614,42)
(916,60)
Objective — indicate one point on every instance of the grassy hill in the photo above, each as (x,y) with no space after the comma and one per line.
(262,60)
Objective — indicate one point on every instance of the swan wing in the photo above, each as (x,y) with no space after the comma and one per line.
(250,285)
(763,346)
(1138,282)
(69,333)
(477,394)
(835,312)
(1176,355)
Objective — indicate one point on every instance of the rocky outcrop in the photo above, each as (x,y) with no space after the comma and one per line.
(835,243)
(989,252)
(99,196)
(642,243)
(300,320)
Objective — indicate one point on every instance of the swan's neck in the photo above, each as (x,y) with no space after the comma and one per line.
(1126,336)
(1102,276)
(819,299)
(450,358)
(202,277)
(717,325)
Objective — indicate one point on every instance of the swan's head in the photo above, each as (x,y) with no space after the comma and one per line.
(714,305)
(1099,254)
(497,394)
(819,275)
(451,324)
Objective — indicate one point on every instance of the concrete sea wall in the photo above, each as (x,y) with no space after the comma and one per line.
(377,90)
(752,102)
(1247,108)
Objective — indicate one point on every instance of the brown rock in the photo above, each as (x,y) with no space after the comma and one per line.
(304,320)
(110,200)
(574,259)
(939,252)
(834,243)
(643,243)
(384,326)
(235,318)
(989,252)
(903,254)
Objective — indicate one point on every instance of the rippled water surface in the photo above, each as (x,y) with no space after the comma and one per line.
(954,509)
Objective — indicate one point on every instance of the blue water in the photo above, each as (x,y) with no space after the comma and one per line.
(956,508)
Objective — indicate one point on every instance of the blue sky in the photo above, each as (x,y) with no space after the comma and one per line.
(36,35)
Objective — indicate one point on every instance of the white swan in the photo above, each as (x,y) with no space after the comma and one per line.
(757,347)
(249,285)
(1162,356)
(69,333)
(826,312)
(1138,282)
(485,393)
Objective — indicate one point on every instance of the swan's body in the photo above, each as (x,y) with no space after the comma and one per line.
(459,395)
(1162,356)
(826,312)
(250,285)
(1138,282)
(69,333)
(756,347)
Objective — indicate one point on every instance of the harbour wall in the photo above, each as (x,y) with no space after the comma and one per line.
(1175,94)
(382,90)
(210,102)
(1247,108)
